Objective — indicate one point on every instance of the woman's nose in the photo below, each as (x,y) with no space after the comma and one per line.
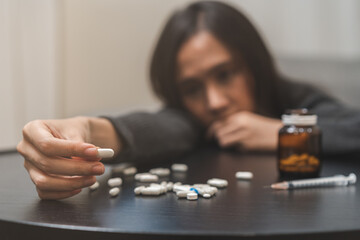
(216,99)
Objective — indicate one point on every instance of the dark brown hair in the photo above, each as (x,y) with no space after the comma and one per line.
(234,31)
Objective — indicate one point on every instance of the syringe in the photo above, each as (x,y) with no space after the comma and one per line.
(337,180)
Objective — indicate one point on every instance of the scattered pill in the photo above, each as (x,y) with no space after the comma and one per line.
(94,186)
(244,175)
(130,171)
(192,196)
(179,167)
(206,195)
(169,186)
(138,190)
(114,182)
(161,172)
(177,188)
(200,185)
(152,190)
(119,168)
(105,153)
(182,194)
(217,182)
(139,175)
(146,177)
(114,191)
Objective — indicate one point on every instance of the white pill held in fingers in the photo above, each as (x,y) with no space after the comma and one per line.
(114,182)
(114,191)
(244,175)
(192,196)
(94,186)
(105,153)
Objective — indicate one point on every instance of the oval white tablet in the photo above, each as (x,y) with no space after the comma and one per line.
(114,191)
(130,171)
(94,186)
(217,182)
(105,153)
(153,190)
(138,190)
(114,182)
(179,167)
(244,175)
(161,172)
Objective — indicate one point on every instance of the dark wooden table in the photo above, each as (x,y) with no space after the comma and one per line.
(244,210)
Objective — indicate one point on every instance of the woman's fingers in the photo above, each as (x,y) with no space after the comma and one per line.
(49,195)
(232,138)
(228,129)
(48,142)
(58,165)
(51,183)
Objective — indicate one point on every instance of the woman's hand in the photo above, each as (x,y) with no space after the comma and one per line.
(246,131)
(61,155)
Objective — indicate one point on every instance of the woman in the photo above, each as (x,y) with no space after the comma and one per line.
(216,78)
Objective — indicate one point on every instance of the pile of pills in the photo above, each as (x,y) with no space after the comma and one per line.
(190,192)
(153,188)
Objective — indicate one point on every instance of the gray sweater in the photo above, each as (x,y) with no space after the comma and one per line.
(170,133)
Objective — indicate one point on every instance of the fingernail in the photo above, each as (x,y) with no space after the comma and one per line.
(98,169)
(91,152)
(90,181)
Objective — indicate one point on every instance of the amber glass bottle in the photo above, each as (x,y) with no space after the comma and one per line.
(299,146)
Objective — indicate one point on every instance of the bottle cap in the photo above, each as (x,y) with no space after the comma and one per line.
(299,117)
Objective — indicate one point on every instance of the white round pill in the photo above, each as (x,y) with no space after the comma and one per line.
(114,191)
(244,175)
(192,196)
(94,186)
(114,182)
(105,153)
(206,195)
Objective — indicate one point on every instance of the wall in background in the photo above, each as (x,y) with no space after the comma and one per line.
(29,65)
(61,58)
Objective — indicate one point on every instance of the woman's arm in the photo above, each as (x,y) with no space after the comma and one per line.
(61,155)
(166,134)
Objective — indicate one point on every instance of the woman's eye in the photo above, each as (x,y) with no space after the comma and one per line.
(223,76)
(191,91)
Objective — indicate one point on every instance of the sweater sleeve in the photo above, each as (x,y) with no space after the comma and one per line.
(339,123)
(152,137)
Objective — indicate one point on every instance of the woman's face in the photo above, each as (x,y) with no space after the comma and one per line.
(212,85)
